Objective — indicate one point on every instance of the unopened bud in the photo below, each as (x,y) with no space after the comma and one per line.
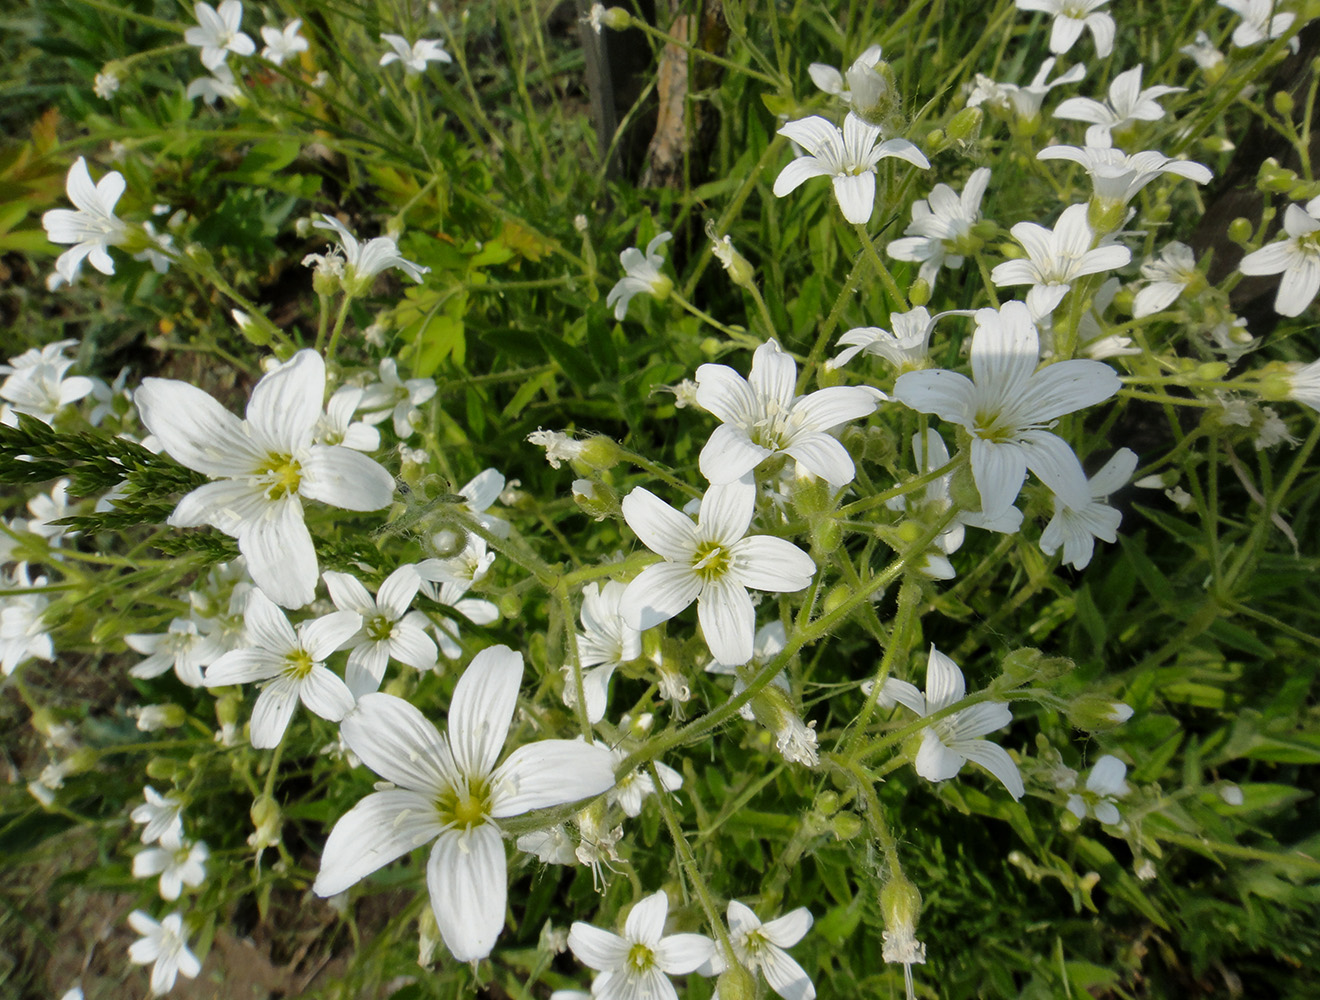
(845,826)
(616,18)
(162,769)
(965,126)
(266,821)
(919,292)
(1240,230)
(1096,712)
(735,983)
(600,453)
(1284,103)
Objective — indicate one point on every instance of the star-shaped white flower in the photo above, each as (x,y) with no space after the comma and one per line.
(263,467)
(1259,21)
(1202,51)
(23,632)
(710,562)
(763,416)
(862,87)
(93,228)
(178,863)
(641,276)
(848,155)
(336,425)
(638,964)
(1007,406)
(1168,278)
(219,86)
(1056,258)
(161,814)
(281,44)
(43,390)
(605,643)
(363,261)
(217,34)
(396,397)
(389,628)
(906,347)
(1117,177)
(1128,103)
(949,743)
(291,661)
(1077,528)
(940,233)
(1104,784)
(414,57)
(163,946)
(448,789)
(1024,102)
(1296,257)
(1071,17)
(184,648)
(761,946)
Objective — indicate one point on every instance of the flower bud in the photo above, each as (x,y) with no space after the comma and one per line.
(1096,712)
(836,598)
(267,821)
(735,983)
(162,768)
(919,292)
(616,18)
(965,126)
(739,270)
(595,499)
(1284,103)
(153,717)
(1240,230)
(599,453)
(845,826)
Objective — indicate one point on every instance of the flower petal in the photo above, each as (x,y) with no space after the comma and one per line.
(996,760)
(998,470)
(194,429)
(785,976)
(658,593)
(482,708)
(730,454)
(383,826)
(764,562)
(468,878)
(272,712)
(935,761)
(286,403)
(325,694)
(679,954)
(789,929)
(856,195)
(728,620)
(344,478)
(595,948)
(646,921)
(658,526)
(944,682)
(396,741)
(726,511)
(280,554)
(550,773)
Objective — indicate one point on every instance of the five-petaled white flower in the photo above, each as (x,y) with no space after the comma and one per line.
(1127,103)
(414,57)
(848,155)
(164,946)
(219,86)
(281,44)
(263,467)
(1007,405)
(761,946)
(93,228)
(1077,528)
(161,814)
(183,647)
(605,643)
(1070,18)
(905,347)
(389,628)
(710,562)
(1117,177)
(396,397)
(449,789)
(178,863)
(1168,278)
(1104,784)
(863,87)
(217,34)
(1259,22)
(1056,258)
(23,633)
(1297,257)
(940,233)
(1023,102)
(949,743)
(363,261)
(292,662)
(638,964)
(641,276)
(763,416)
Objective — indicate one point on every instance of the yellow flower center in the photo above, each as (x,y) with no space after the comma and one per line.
(298,664)
(379,628)
(640,957)
(283,475)
(712,561)
(465,807)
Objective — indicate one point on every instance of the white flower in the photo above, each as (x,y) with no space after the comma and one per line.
(366,260)
(1168,278)
(93,228)
(389,628)
(1203,52)
(1076,529)
(559,447)
(1070,18)
(605,643)
(1297,257)
(161,814)
(1056,258)
(761,946)
(1304,384)
(1104,784)
(950,742)
(862,87)
(1259,22)
(849,156)
(414,57)
(219,86)
(163,945)
(263,467)
(292,662)
(1024,102)
(43,391)
(336,425)
(1127,104)
(481,491)
(633,788)
(105,84)
(641,276)
(177,862)
(458,574)
(183,648)
(281,44)
(763,416)
(1007,405)
(940,233)
(1117,177)
(638,964)
(905,347)
(709,562)
(23,634)
(450,790)
(217,34)
(393,396)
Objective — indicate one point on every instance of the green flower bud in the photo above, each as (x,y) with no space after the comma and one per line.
(919,292)
(845,826)
(1097,713)
(162,769)
(736,983)
(965,126)
(1284,103)
(1240,231)
(600,453)
(266,821)
(827,803)
(835,599)
(616,19)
